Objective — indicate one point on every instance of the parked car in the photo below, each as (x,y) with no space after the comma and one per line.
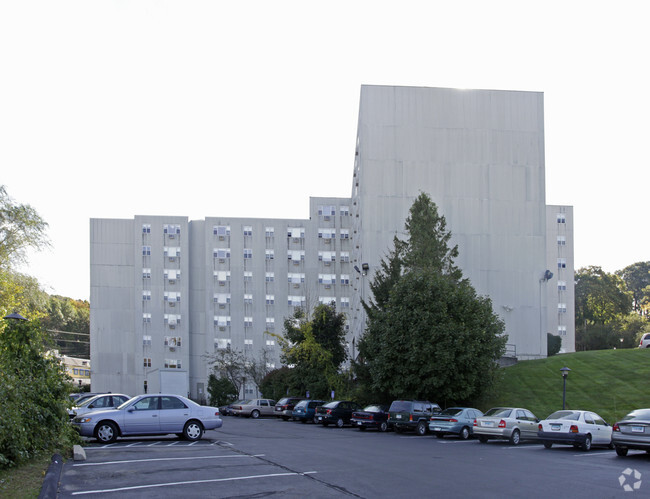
(305,410)
(411,415)
(337,412)
(372,416)
(284,407)
(506,423)
(82,397)
(226,410)
(158,414)
(582,429)
(632,432)
(645,341)
(99,402)
(457,421)
(254,408)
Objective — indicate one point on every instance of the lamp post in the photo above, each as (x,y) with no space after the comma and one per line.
(15,316)
(565,372)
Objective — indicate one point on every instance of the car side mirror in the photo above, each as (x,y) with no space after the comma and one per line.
(131,409)
(91,406)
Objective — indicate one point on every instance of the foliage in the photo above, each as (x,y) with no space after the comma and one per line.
(608,382)
(428,334)
(637,281)
(230,364)
(66,314)
(33,395)
(600,297)
(221,391)
(553,344)
(276,384)
(20,293)
(21,227)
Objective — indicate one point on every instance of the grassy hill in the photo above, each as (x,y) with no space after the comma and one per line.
(608,382)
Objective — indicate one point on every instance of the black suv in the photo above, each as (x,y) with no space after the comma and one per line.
(408,415)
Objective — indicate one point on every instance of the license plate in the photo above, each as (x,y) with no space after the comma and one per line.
(556,427)
(437,428)
(399,416)
(320,418)
(637,429)
(278,408)
(487,423)
(359,423)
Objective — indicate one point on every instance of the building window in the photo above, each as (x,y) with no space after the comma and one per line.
(222,343)
(222,320)
(146,251)
(561,285)
(345,233)
(561,263)
(561,240)
(146,273)
(172,275)
(248,253)
(269,231)
(221,253)
(248,322)
(172,296)
(270,299)
(248,230)
(345,302)
(146,341)
(296,278)
(248,343)
(270,254)
(327,300)
(146,295)
(270,323)
(327,211)
(146,228)
(345,256)
(172,341)
(173,363)
(327,279)
(171,230)
(327,256)
(222,276)
(146,318)
(270,365)
(270,343)
(326,233)
(173,320)
(561,218)
(172,252)
(248,276)
(147,362)
(561,308)
(270,277)
(248,299)
(221,230)
(561,330)
(296,301)
(296,255)
(345,279)
(222,298)
(345,211)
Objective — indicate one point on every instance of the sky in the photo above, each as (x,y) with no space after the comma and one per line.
(111,109)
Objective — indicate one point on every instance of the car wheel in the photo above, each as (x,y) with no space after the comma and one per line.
(586,446)
(339,423)
(106,432)
(362,428)
(255,414)
(482,439)
(421,428)
(548,445)
(315,420)
(285,418)
(621,451)
(383,426)
(193,431)
(515,437)
(464,433)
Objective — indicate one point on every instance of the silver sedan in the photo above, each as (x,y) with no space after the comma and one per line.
(632,432)
(509,423)
(158,414)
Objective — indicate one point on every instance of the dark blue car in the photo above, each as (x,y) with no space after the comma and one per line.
(305,410)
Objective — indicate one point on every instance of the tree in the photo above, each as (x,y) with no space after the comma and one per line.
(33,394)
(429,335)
(230,364)
(637,280)
(553,344)
(221,391)
(21,227)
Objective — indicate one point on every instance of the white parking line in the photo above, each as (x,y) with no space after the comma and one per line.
(190,482)
(164,459)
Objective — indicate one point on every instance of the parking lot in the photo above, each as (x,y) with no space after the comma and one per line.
(267,457)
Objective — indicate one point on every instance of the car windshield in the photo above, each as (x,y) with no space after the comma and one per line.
(498,412)
(332,405)
(122,406)
(302,403)
(87,401)
(373,408)
(572,415)
(638,414)
(452,411)
(284,401)
(400,406)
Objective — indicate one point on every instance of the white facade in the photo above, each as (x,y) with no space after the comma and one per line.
(166,291)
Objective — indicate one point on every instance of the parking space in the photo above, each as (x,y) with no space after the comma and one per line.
(268,457)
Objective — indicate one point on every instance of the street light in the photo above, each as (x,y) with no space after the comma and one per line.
(565,372)
(15,316)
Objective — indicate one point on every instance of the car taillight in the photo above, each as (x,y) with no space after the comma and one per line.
(574,428)
(411,417)
(329,411)
(502,423)
(539,427)
(616,427)
(475,423)
(452,420)
(371,417)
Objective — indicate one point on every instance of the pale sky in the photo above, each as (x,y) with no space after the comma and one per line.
(110,109)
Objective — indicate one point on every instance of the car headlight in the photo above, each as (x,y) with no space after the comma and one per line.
(82,419)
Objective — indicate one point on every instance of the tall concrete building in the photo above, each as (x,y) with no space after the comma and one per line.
(167,292)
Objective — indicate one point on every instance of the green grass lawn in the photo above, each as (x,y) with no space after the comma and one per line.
(608,382)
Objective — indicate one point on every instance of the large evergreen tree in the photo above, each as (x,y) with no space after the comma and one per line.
(429,335)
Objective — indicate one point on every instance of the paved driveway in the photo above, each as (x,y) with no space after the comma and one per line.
(270,457)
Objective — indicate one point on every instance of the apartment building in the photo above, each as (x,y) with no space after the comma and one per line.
(166,292)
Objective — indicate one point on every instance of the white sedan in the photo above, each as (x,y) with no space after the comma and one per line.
(582,429)
(158,414)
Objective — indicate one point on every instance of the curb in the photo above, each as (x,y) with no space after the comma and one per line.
(50,487)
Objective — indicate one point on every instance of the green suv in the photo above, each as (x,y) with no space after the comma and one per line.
(409,415)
